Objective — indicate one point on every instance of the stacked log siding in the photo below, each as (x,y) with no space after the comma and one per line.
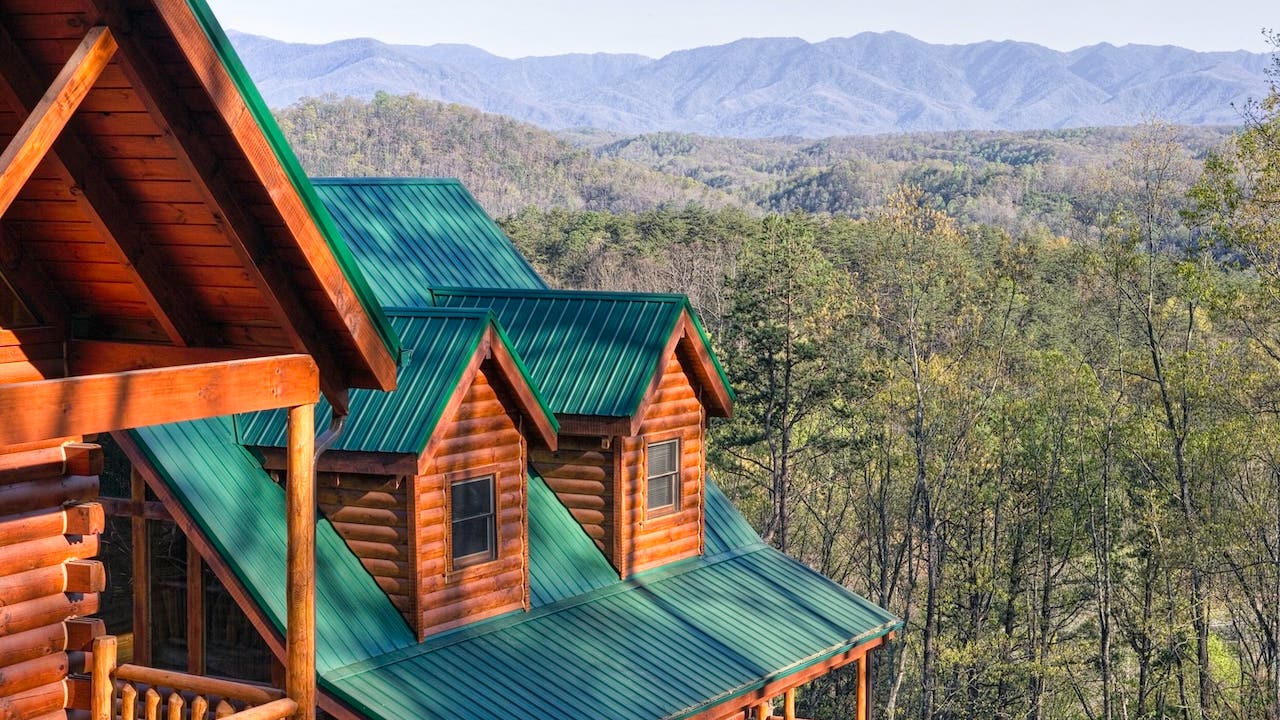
(48,536)
(482,438)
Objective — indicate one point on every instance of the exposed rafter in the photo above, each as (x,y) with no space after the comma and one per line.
(22,90)
(162,100)
(48,117)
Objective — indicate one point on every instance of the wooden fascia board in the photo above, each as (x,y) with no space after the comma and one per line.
(42,409)
(225,97)
(530,406)
(594,425)
(51,113)
(348,461)
(772,689)
(98,199)
(715,392)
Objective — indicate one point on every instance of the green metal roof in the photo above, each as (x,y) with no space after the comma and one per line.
(726,529)
(439,344)
(590,353)
(412,234)
(293,170)
(242,513)
(666,644)
(563,560)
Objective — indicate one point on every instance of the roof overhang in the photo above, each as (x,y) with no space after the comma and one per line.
(149,196)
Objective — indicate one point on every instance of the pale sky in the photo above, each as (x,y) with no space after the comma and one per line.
(515,28)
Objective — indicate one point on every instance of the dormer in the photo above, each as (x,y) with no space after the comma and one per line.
(632,381)
(427,485)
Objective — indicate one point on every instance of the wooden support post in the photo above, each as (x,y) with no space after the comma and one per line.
(300,509)
(36,136)
(789,705)
(141,575)
(195,610)
(864,707)
(102,682)
(763,710)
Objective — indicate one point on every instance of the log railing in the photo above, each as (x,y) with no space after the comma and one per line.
(133,692)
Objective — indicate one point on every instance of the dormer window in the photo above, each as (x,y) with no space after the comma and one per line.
(663,475)
(473,527)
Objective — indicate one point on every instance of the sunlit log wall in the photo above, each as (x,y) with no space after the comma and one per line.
(49,529)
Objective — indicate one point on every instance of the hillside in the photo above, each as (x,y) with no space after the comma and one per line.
(868,83)
(1015,180)
(506,164)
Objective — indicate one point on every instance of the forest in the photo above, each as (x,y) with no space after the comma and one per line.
(1028,402)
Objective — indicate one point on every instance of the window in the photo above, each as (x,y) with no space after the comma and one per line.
(664,476)
(473,527)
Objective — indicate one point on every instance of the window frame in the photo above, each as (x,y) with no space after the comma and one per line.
(477,558)
(675,474)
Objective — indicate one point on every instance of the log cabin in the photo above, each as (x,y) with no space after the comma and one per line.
(719,626)
(427,485)
(164,259)
(633,382)
(168,266)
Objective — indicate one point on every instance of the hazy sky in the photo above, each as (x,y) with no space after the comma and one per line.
(515,28)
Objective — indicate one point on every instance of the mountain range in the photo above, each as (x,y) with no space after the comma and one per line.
(868,83)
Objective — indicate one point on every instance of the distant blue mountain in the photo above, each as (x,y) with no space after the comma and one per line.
(868,83)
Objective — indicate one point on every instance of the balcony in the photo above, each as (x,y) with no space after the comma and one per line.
(131,692)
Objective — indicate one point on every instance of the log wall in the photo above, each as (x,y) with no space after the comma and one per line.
(371,514)
(580,472)
(676,412)
(49,528)
(602,480)
(482,438)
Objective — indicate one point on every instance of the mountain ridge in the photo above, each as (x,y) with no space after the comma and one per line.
(761,87)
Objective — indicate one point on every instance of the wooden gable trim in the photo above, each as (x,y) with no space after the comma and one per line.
(687,339)
(454,402)
(41,409)
(226,98)
(530,406)
(97,198)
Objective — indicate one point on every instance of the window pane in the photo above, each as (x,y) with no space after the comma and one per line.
(662,458)
(662,491)
(471,537)
(472,498)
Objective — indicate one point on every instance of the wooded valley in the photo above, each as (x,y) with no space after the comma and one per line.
(1021,389)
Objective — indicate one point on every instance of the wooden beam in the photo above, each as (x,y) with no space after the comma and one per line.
(141,557)
(49,116)
(97,198)
(789,704)
(90,404)
(195,611)
(864,707)
(300,570)
(123,507)
(338,461)
(93,357)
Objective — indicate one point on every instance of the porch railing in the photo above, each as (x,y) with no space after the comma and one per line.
(133,692)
